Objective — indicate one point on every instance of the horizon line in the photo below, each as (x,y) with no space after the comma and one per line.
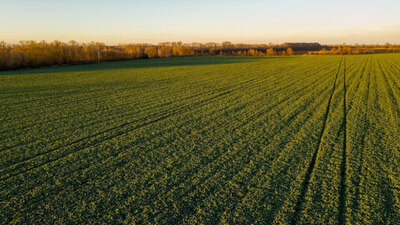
(196,42)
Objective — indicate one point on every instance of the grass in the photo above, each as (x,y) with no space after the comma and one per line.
(290,140)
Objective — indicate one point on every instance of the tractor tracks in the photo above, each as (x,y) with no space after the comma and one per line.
(343,166)
(306,182)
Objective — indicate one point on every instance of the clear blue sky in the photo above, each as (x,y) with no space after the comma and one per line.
(248,21)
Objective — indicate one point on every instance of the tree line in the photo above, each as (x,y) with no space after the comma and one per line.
(31,54)
(355,49)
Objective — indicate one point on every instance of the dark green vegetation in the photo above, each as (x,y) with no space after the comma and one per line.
(203,140)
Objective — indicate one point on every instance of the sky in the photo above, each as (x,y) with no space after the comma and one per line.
(238,21)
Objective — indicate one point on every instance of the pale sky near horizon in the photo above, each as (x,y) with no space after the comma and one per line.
(239,21)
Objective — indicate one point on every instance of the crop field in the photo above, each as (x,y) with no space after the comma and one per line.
(203,140)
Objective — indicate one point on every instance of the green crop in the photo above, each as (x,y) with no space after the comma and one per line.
(249,140)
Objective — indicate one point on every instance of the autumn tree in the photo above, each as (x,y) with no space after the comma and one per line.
(150,51)
(227,45)
(164,51)
(333,51)
(271,52)
(252,52)
(289,51)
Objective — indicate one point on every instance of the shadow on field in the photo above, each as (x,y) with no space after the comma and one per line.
(141,63)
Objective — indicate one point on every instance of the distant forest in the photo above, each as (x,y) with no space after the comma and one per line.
(31,54)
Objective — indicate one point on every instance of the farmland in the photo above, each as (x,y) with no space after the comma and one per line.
(284,140)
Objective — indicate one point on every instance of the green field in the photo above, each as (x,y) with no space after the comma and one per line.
(285,140)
